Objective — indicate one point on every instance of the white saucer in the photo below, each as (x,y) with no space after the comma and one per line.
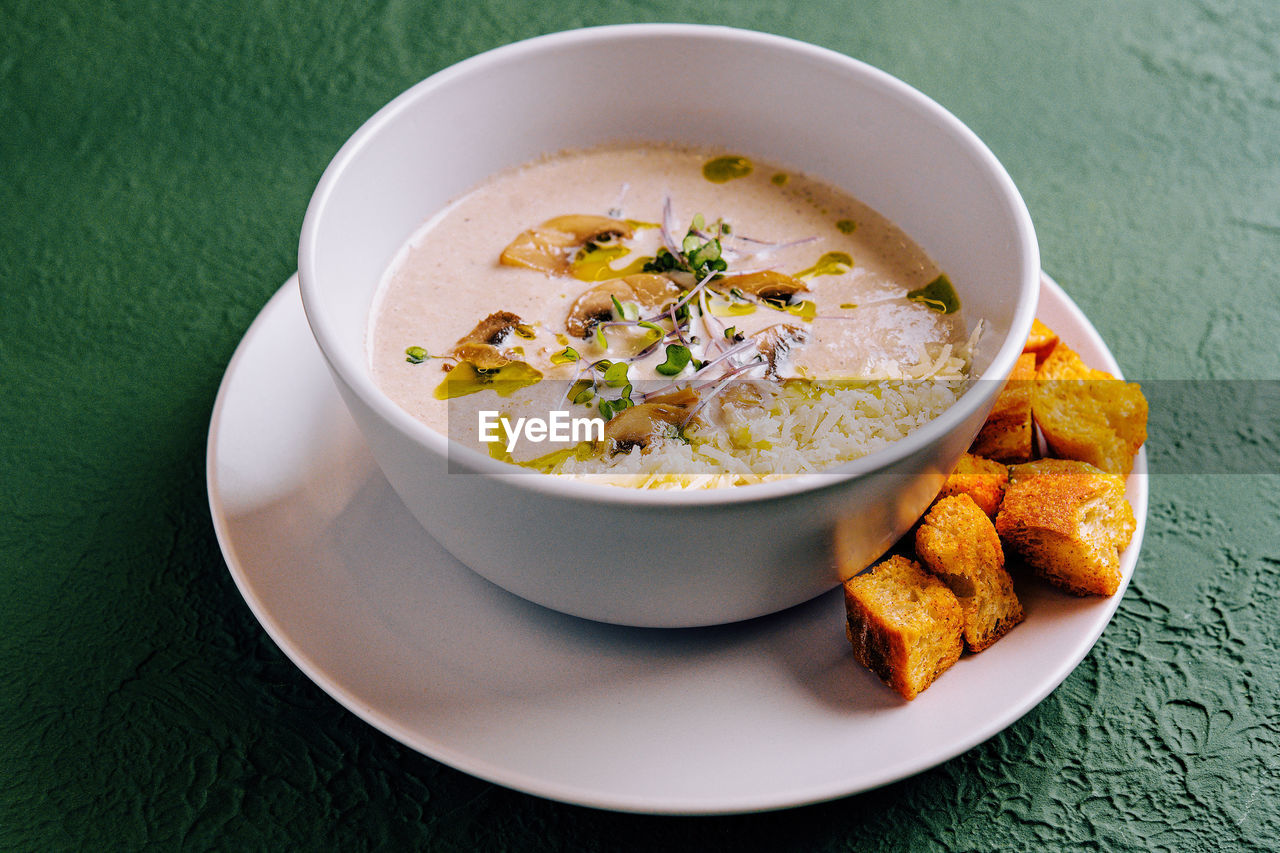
(760,715)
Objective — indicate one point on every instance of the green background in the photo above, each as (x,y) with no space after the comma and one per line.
(155,163)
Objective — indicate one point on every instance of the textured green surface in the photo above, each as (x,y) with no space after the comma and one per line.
(155,162)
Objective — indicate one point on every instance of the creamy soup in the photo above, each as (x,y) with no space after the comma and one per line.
(661,316)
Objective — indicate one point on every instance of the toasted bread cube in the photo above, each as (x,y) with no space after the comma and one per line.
(1069,521)
(904,624)
(1007,434)
(1088,414)
(1041,341)
(1065,363)
(960,546)
(982,479)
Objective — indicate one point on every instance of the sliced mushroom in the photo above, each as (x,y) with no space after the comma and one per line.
(774,342)
(639,425)
(493,330)
(766,284)
(595,305)
(550,246)
(481,346)
(652,290)
(742,395)
(483,356)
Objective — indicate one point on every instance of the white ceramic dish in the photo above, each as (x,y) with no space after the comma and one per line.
(764,714)
(728,553)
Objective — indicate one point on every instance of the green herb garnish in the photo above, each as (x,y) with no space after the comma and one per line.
(615,376)
(678,356)
(699,255)
(416,355)
(663,261)
(609,408)
(654,332)
(621,318)
(702,255)
(617,307)
(582,391)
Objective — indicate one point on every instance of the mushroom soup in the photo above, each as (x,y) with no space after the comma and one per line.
(666,317)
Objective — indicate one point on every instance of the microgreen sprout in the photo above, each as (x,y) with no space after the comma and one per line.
(581,392)
(678,356)
(663,261)
(615,375)
(609,408)
(681,307)
(719,385)
(738,349)
(700,252)
(715,332)
(678,320)
(656,332)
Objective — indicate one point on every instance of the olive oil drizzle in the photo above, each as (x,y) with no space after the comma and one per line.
(938,294)
(724,169)
(465,378)
(831,263)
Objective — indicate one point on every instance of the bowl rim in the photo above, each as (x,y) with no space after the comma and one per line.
(982,389)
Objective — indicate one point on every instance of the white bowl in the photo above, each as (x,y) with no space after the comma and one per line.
(666,558)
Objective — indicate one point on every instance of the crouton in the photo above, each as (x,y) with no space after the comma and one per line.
(1007,434)
(1088,415)
(960,546)
(1041,341)
(982,479)
(1065,363)
(1069,521)
(904,624)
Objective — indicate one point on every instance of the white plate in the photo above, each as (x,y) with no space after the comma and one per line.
(759,715)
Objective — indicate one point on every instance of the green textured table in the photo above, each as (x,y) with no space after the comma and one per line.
(155,162)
